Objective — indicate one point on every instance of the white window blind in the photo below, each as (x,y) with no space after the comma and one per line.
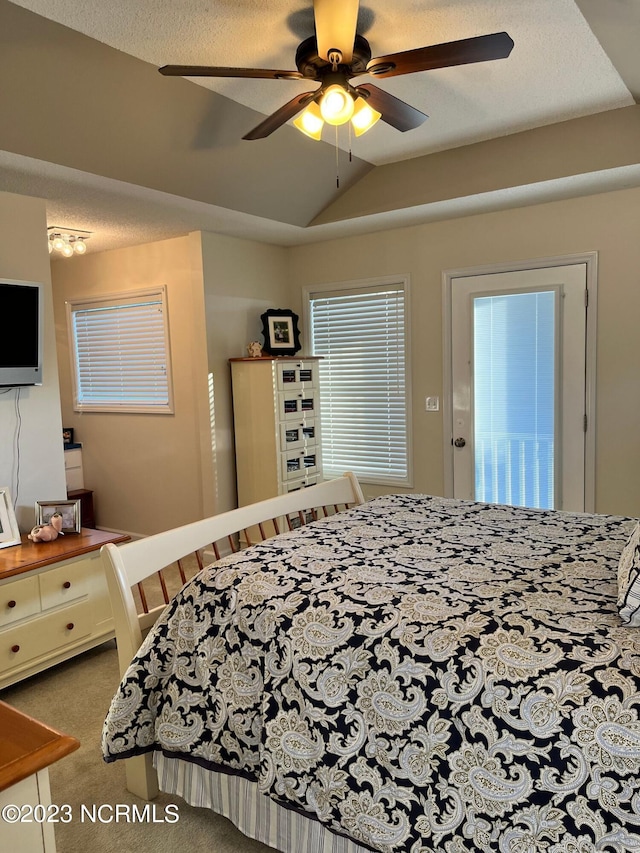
(363,391)
(120,348)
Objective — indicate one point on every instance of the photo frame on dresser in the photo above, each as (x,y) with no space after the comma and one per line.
(9,531)
(280,331)
(69,510)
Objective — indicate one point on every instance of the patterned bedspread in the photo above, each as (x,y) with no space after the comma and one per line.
(420,674)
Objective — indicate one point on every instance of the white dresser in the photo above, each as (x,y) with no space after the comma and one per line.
(54,602)
(276,408)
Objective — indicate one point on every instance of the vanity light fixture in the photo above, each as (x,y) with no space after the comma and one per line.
(67,241)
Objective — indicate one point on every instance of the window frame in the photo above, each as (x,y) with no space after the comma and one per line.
(116,300)
(371,285)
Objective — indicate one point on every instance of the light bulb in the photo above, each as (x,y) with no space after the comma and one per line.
(364,117)
(310,122)
(58,243)
(67,250)
(80,247)
(336,105)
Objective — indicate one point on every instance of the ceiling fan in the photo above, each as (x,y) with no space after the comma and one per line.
(337,54)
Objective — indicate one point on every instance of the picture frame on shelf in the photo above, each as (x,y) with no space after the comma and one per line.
(67,435)
(69,510)
(9,531)
(280,331)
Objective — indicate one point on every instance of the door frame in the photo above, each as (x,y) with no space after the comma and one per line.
(590,260)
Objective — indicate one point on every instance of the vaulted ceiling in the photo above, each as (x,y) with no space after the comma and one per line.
(121,151)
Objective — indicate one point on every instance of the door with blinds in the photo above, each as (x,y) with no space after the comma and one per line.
(360,331)
(519,387)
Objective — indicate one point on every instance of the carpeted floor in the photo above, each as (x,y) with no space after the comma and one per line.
(74,697)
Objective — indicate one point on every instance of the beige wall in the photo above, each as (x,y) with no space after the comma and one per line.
(149,472)
(608,223)
(132,462)
(242,278)
(31,450)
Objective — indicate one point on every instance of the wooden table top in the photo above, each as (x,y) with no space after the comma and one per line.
(27,745)
(29,555)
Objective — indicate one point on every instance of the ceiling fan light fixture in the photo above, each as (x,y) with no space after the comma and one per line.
(336,106)
(310,122)
(364,117)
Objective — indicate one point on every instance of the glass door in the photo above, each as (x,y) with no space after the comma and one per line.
(518,377)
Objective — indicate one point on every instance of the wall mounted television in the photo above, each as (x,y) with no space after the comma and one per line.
(21,332)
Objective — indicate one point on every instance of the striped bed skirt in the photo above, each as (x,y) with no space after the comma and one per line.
(254,814)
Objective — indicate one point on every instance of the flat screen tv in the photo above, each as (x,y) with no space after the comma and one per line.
(21,332)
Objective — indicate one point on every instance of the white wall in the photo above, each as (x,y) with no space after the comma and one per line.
(31,449)
(242,279)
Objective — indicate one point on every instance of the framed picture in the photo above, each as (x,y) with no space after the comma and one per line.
(69,510)
(9,533)
(67,435)
(280,330)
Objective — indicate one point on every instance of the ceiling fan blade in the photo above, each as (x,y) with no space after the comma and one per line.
(336,22)
(277,119)
(395,112)
(462,52)
(213,71)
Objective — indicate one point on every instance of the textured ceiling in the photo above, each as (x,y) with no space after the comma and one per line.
(557,69)
(563,66)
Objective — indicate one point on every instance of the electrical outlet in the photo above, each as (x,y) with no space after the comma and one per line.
(432,404)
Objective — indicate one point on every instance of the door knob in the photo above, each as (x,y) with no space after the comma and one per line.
(460,442)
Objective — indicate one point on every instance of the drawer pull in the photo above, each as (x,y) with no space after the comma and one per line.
(70,626)
(11,603)
(67,585)
(15,648)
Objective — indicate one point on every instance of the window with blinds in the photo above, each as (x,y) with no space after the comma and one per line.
(120,347)
(361,334)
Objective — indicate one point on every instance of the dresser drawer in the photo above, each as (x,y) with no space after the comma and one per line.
(64,584)
(294,404)
(18,600)
(26,642)
(295,485)
(299,464)
(297,436)
(297,374)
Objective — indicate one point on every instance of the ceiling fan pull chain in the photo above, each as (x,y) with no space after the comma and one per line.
(337,162)
(350,157)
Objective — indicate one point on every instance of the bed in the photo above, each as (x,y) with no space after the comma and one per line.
(413,673)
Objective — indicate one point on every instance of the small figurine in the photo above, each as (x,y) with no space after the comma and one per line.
(47,532)
(254,349)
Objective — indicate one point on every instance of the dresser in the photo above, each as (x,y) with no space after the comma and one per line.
(276,410)
(54,602)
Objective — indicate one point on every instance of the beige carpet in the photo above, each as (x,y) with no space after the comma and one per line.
(74,697)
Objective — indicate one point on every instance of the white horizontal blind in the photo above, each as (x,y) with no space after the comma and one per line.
(121,353)
(361,336)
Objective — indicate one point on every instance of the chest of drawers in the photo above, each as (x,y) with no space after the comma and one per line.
(54,602)
(278,442)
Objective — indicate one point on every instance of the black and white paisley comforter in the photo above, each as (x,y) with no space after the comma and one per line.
(420,674)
